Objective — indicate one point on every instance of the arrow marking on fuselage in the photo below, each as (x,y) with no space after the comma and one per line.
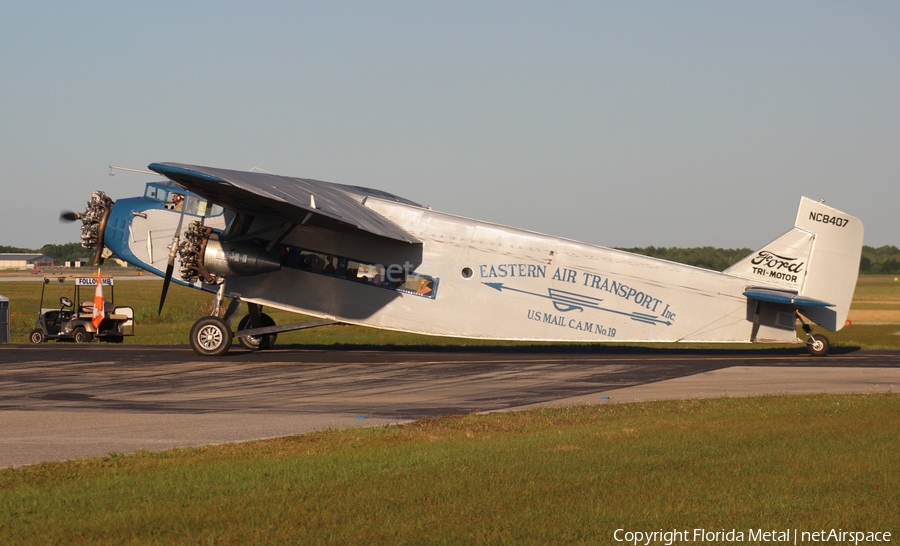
(569,301)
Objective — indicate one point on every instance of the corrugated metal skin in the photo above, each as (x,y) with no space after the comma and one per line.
(149,238)
(498,282)
(536,278)
(337,206)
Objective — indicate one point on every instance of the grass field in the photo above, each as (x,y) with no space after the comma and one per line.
(551,476)
(877,299)
(875,313)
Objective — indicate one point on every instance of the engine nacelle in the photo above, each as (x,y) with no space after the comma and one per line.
(205,256)
(235,259)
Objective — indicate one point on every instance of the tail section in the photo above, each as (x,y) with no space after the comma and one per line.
(817,260)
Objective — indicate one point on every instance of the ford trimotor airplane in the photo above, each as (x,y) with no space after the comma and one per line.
(363,256)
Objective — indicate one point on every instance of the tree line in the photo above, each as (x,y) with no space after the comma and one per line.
(68,252)
(883,260)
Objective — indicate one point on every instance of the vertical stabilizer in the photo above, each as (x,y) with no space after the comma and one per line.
(818,259)
(833,263)
(781,264)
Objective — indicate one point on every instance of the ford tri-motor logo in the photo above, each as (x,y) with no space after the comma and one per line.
(777,267)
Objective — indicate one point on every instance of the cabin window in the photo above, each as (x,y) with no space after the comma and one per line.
(418,284)
(391,277)
(318,263)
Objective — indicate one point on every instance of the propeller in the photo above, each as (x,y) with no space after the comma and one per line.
(69,216)
(170,267)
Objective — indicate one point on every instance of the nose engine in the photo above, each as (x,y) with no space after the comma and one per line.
(93,223)
(205,256)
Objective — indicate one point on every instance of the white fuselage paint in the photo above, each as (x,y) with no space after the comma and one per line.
(497,282)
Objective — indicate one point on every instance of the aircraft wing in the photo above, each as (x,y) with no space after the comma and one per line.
(297,200)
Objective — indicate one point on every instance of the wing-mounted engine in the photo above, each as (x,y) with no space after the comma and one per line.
(205,256)
(191,252)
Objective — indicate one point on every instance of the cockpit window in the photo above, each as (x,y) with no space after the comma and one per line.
(201,207)
(175,200)
(157,194)
(211,209)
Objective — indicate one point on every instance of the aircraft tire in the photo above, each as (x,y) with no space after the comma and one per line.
(210,336)
(80,335)
(818,345)
(256,343)
(37,336)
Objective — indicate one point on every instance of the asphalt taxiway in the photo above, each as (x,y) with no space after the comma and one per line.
(63,401)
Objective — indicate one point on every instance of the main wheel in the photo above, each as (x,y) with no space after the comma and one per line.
(37,336)
(255,343)
(210,336)
(80,335)
(818,345)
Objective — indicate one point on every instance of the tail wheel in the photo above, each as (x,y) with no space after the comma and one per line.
(255,343)
(818,345)
(80,335)
(210,336)
(37,336)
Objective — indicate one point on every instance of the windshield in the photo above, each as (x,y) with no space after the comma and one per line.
(174,199)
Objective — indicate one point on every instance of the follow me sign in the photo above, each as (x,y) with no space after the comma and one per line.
(92,281)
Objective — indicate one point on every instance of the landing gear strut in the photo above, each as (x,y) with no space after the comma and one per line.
(818,344)
(212,336)
(255,343)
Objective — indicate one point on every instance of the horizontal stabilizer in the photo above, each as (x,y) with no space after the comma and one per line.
(784,297)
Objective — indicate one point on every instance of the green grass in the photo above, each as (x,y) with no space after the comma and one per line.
(884,337)
(551,476)
(877,292)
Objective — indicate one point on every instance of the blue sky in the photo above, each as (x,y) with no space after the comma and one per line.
(615,123)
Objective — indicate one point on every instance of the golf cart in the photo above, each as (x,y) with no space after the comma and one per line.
(68,323)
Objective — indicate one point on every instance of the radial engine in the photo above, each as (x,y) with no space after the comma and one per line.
(205,256)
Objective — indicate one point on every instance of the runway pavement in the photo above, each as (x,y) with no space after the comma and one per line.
(66,401)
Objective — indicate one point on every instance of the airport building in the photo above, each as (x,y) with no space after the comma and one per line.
(25,261)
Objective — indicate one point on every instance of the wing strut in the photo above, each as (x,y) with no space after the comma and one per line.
(282,233)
